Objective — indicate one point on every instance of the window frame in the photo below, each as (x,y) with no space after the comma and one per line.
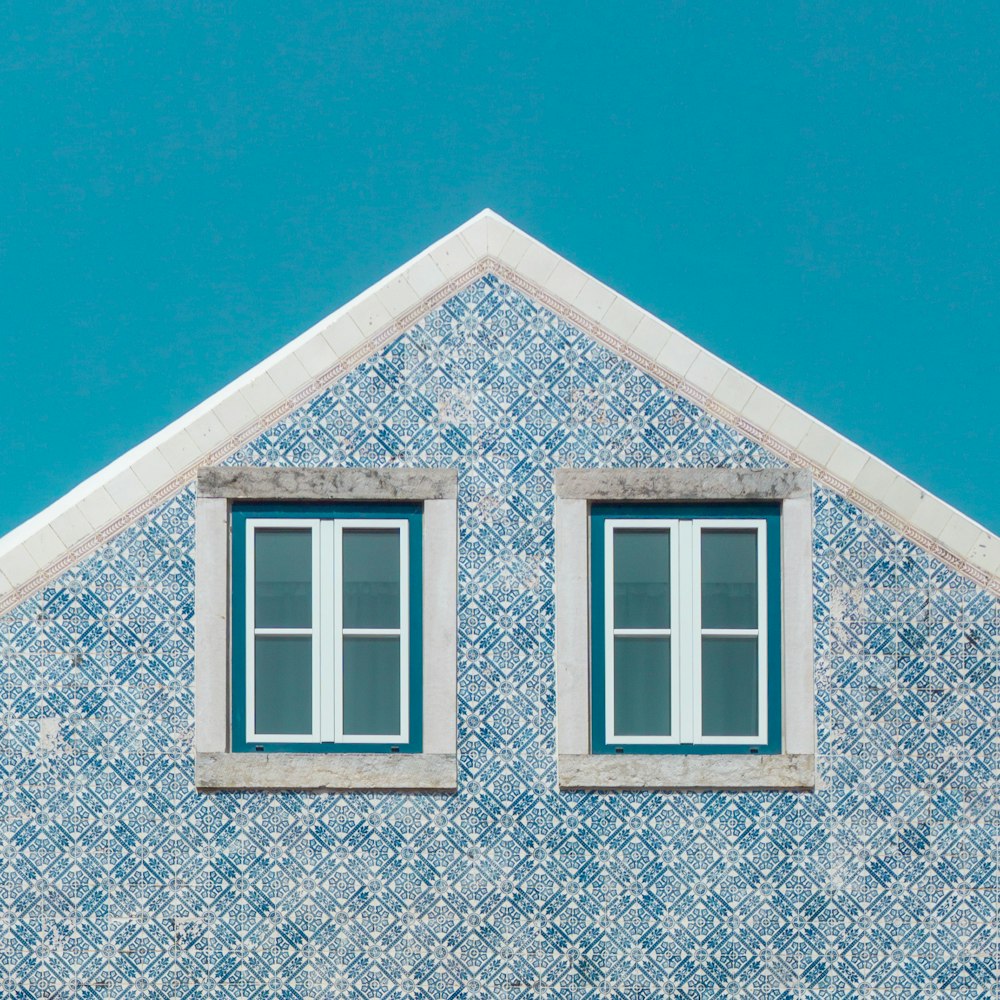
(685,554)
(326,519)
(581,765)
(431,767)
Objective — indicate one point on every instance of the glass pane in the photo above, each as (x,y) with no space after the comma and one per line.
(371,685)
(642,686)
(642,578)
(729,687)
(283,577)
(728,578)
(371,578)
(283,684)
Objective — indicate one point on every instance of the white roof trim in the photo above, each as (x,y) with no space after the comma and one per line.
(58,537)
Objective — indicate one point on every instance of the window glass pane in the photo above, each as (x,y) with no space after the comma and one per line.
(729,686)
(283,578)
(371,685)
(283,685)
(642,686)
(642,578)
(371,578)
(728,578)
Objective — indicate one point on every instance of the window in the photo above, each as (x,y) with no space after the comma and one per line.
(684,629)
(325,629)
(686,651)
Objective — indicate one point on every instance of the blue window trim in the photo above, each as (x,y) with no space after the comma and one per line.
(411,512)
(771,514)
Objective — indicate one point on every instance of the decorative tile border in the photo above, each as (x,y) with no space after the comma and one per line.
(388,332)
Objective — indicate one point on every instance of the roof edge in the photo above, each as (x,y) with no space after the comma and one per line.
(102,505)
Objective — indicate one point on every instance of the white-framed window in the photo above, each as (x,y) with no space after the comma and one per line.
(683,629)
(326,653)
(326,629)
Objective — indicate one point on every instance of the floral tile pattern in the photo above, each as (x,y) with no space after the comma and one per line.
(118,879)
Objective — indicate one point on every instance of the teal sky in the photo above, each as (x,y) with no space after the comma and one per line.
(809,190)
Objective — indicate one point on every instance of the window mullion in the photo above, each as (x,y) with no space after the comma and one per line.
(676,630)
(608,589)
(329,591)
(338,631)
(251,622)
(687,631)
(404,631)
(762,651)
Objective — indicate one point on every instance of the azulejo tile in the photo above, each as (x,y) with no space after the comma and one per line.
(118,880)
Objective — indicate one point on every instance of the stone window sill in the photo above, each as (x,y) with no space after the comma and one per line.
(692,773)
(320,772)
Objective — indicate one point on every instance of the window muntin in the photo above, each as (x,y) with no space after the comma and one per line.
(692,664)
(333,649)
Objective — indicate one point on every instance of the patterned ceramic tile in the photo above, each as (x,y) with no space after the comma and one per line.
(118,880)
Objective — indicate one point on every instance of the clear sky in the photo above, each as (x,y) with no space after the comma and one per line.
(808,189)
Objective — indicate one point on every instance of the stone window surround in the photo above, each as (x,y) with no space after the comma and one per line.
(216,767)
(794,769)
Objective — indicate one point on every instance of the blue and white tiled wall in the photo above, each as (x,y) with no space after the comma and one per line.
(118,879)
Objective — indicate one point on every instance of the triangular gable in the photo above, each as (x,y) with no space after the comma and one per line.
(58,537)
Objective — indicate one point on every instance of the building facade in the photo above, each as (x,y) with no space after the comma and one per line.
(533,808)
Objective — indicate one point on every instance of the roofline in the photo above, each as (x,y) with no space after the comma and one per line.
(54,540)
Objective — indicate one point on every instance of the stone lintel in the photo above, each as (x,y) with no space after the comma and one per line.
(262,483)
(681,484)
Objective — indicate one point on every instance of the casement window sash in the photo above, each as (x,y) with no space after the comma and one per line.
(338,647)
(327,630)
(687,634)
(253,632)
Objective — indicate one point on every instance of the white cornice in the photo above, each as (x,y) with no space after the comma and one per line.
(58,537)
